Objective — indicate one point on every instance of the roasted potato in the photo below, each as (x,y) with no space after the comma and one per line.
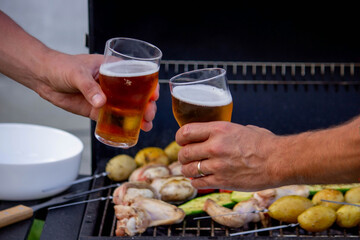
(172,151)
(288,208)
(317,218)
(348,216)
(151,155)
(353,195)
(120,167)
(328,194)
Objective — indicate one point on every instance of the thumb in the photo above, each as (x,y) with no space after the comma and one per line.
(91,91)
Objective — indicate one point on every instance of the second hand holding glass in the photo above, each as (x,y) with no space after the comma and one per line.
(201,96)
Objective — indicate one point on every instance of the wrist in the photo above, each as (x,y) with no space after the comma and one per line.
(47,64)
(277,161)
(288,158)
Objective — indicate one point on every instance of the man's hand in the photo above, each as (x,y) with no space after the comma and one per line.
(233,156)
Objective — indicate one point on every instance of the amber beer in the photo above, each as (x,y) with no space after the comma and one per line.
(128,86)
(201,103)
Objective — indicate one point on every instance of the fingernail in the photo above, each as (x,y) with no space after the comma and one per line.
(96,100)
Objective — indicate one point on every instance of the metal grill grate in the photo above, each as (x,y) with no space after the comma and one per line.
(105,225)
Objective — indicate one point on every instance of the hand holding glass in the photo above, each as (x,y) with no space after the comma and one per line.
(128,77)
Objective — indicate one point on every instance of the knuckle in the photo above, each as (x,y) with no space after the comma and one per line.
(220,126)
(217,165)
(186,170)
(183,171)
(186,130)
(185,152)
(215,149)
(199,183)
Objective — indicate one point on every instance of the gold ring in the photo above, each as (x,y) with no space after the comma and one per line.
(199,169)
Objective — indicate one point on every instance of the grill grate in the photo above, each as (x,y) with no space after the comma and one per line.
(189,228)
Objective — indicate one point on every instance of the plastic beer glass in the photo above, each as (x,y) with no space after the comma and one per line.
(128,77)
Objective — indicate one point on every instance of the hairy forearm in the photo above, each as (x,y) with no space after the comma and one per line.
(22,56)
(321,157)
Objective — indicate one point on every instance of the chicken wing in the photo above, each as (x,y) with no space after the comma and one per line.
(127,192)
(268,196)
(130,220)
(143,213)
(174,189)
(150,172)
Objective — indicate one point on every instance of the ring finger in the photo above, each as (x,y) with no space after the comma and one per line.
(191,169)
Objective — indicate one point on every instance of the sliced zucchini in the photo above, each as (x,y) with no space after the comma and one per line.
(237,196)
(340,187)
(195,206)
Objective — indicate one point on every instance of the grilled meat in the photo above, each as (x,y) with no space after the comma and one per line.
(143,213)
(127,192)
(268,196)
(150,172)
(174,189)
(223,215)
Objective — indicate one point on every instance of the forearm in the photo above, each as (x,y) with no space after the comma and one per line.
(323,156)
(22,56)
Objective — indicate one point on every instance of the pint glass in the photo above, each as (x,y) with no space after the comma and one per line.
(128,77)
(201,96)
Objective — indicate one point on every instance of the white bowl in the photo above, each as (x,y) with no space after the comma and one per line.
(34,158)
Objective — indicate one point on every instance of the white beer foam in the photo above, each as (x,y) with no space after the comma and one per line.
(129,68)
(203,95)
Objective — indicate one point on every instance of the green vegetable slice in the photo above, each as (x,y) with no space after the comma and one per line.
(237,196)
(195,205)
(340,187)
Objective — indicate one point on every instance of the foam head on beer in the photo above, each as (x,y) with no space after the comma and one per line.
(202,95)
(131,68)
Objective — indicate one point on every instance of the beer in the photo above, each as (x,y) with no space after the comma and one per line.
(128,86)
(201,103)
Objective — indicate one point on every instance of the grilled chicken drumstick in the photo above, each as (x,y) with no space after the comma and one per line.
(261,200)
(127,192)
(175,189)
(148,173)
(143,213)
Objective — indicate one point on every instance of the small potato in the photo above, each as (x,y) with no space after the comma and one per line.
(120,167)
(288,208)
(348,216)
(328,194)
(151,155)
(172,151)
(353,195)
(317,218)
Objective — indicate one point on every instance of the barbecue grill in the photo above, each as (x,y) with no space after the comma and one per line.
(288,72)
(286,97)
(284,89)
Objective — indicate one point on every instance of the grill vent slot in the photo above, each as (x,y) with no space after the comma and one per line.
(289,73)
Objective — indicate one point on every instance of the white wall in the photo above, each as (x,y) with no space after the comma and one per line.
(61,25)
